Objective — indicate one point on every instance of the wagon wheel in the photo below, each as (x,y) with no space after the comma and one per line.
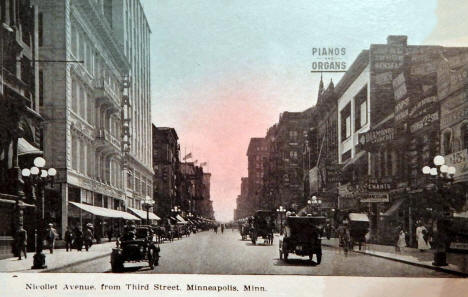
(151,259)
(253,237)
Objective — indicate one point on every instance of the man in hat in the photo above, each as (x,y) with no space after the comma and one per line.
(51,235)
(21,242)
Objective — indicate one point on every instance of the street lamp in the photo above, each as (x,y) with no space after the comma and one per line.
(314,202)
(147,204)
(442,177)
(39,176)
(176,209)
(281,211)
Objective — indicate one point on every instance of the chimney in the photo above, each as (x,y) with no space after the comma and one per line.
(401,40)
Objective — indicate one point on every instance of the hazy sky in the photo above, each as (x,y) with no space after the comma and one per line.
(222,71)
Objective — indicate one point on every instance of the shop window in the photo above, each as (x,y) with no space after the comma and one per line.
(346,122)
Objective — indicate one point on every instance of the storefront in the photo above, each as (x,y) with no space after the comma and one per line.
(103,219)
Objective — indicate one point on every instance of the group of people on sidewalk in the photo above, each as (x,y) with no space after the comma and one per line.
(76,238)
(423,238)
(79,237)
(21,240)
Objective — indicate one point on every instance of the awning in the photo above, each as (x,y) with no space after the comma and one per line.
(396,205)
(358,217)
(143,214)
(463,214)
(105,212)
(181,219)
(25,148)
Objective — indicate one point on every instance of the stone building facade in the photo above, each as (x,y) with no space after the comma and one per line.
(92,117)
(166,166)
(20,122)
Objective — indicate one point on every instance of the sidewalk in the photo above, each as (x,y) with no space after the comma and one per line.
(59,259)
(458,263)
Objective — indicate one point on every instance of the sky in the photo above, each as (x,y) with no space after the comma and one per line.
(223,71)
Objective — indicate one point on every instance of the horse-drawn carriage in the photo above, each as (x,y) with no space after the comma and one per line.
(358,228)
(262,226)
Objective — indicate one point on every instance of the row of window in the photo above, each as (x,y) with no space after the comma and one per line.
(87,162)
(138,183)
(360,114)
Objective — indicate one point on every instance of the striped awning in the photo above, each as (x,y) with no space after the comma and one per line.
(143,214)
(105,212)
(25,148)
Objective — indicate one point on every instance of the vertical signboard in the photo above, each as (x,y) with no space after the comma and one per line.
(385,61)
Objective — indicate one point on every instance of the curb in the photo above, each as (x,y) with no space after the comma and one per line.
(436,268)
(76,263)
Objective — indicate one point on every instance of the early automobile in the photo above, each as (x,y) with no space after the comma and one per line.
(302,236)
(136,245)
(262,226)
(358,228)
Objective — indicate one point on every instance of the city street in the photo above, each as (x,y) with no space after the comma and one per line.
(225,253)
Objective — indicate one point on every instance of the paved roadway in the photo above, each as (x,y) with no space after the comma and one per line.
(210,253)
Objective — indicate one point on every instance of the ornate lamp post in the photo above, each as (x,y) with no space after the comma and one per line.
(147,204)
(281,211)
(442,177)
(314,203)
(38,177)
(176,210)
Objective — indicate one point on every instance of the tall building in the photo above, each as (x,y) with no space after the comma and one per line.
(256,154)
(97,129)
(242,202)
(166,168)
(20,133)
(130,27)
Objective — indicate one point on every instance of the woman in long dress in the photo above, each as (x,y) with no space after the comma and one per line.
(401,242)
(422,237)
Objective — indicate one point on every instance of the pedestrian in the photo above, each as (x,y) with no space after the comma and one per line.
(222,228)
(401,240)
(216,229)
(79,238)
(109,233)
(68,239)
(21,242)
(51,235)
(422,236)
(88,238)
